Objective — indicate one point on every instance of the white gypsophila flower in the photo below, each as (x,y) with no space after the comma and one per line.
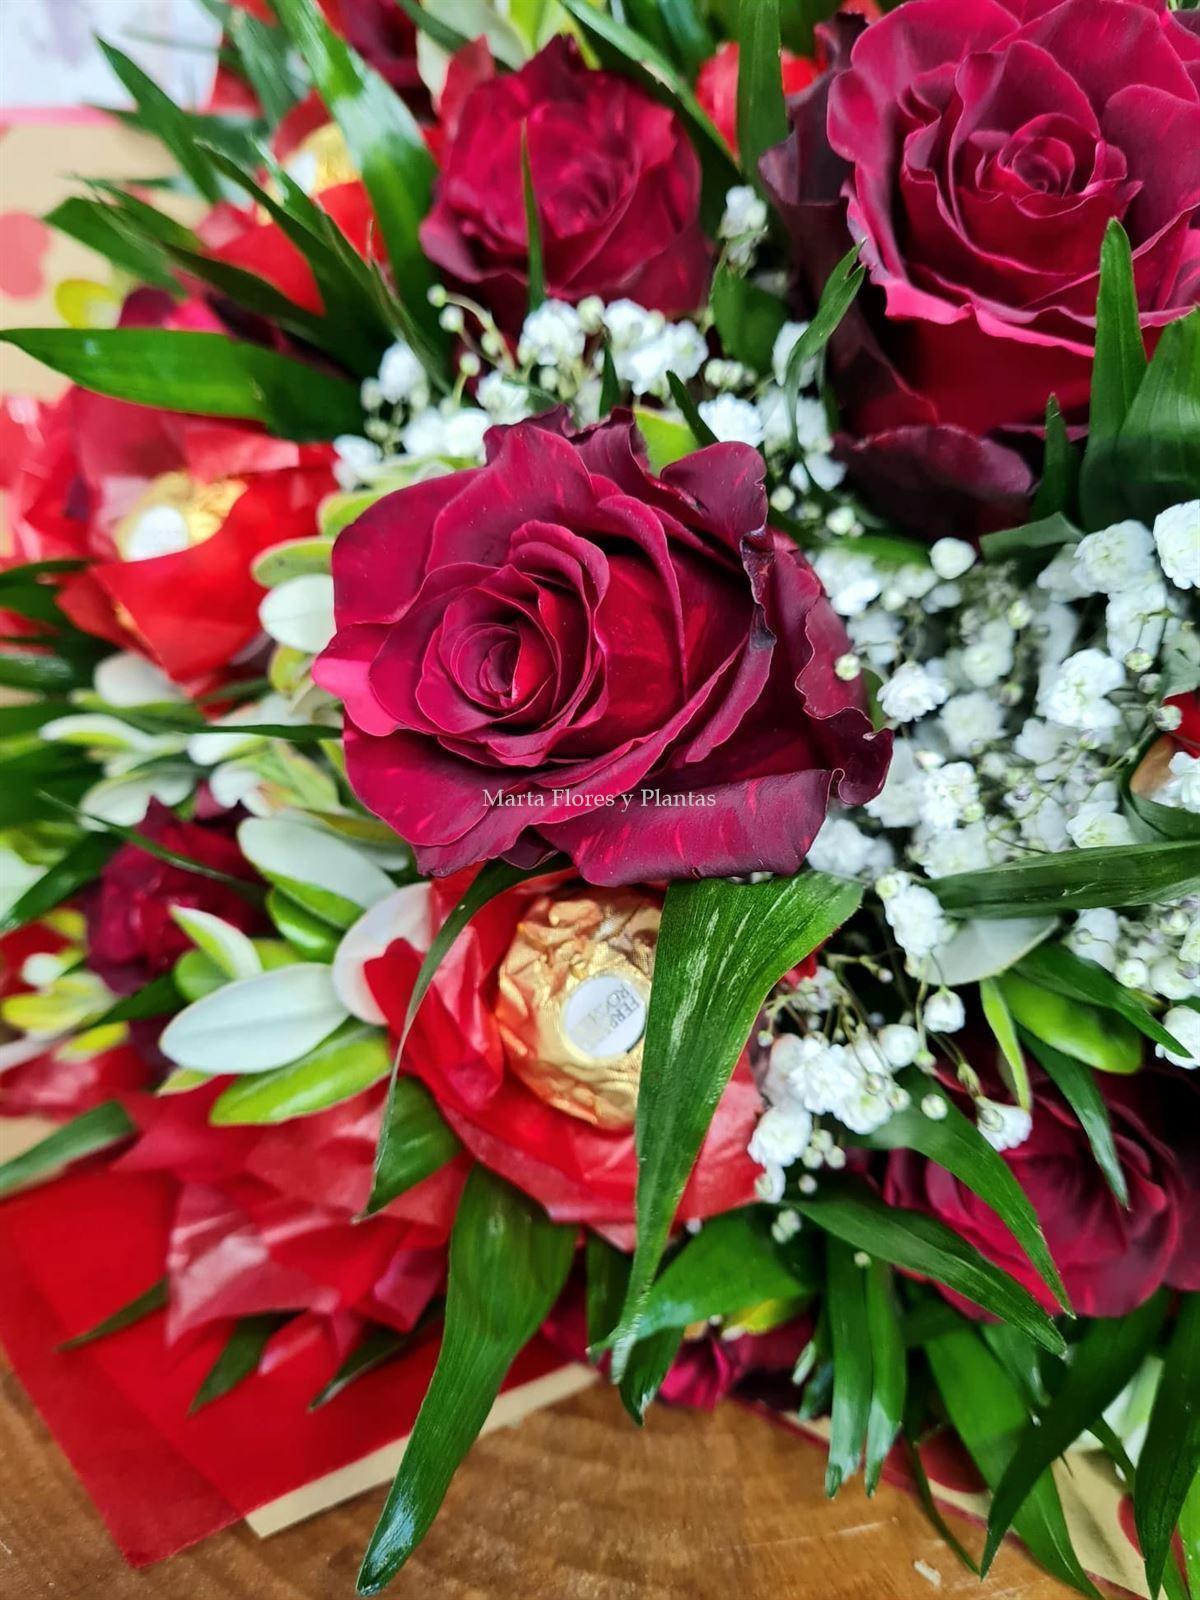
(970,721)
(552,336)
(770,1184)
(989,657)
(745,213)
(1183,1024)
(911,580)
(503,399)
(876,635)
(1182,788)
(899,1043)
(946,792)
(825,472)
(950,558)
(1040,742)
(946,851)
(841,848)
(820,1076)
(1073,693)
(1045,825)
(733,421)
(401,375)
(1136,617)
(1189,949)
(781,1135)
(916,918)
(913,690)
(851,581)
(785,343)
(1168,979)
(944,1012)
(1177,538)
(1108,561)
(629,324)
(424,434)
(898,803)
(464,433)
(1055,628)
(866,1107)
(1095,936)
(811,424)
(1099,826)
(356,460)
(1004,1127)
(818,994)
(1060,577)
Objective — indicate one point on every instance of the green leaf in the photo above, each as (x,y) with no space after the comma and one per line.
(1019,1357)
(239,1358)
(667,439)
(648,1364)
(747,319)
(78,867)
(264,56)
(921,1244)
(442,34)
(846,1304)
(533,228)
(349,1061)
(38,673)
(889,1373)
(1055,967)
(999,1020)
(414,1143)
(165,120)
(378,1347)
(1159,821)
(697,427)
(610,384)
(690,35)
(1075,880)
(607,1274)
(761,118)
(205,374)
(29,717)
(1170,1458)
(990,1416)
(1051,532)
(1077,1085)
(387,148)
(841,286)
(508,1264)
(150,1300)
(311,935)
(930,1506)
(955,1143)
(1117,371)
(1060,466)
(721,946)
(85,1135)
(155,999)
(99,228)
(1189,1534)
(1100,1038)
(1157,460)
(1102,1363)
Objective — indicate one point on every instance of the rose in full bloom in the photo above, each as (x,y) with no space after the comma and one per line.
(169,511)
(1111,1259)
(132,936)
(561,650)
(616,180)
(977,150)
(555,1118)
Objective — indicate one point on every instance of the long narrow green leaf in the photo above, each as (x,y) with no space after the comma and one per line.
(145,1304)
(1055,967)
(205,374)
(1170,1458)
(837,296)
(921,1244)
(930,1506)
(846,1303)
(990,1416)
(533,228)
(414,1143)
(1189,1535)
(508,1263)
(264,57)
(1101,1038)
(889,1371)
(999,1020)
(1075,880)
(1117,371)
(697,426)
(39,673)
(379,1346)
(351,1059)
(85,1135)
(649,1362)
(955,1143)
(163,117)
(1102,1363)
(1077,1085)
(1158,451)
(442,34)
(97,226)
(1050,532)
(721,946)
(155,999)
(761,118)
(239,1356)
(607,1273)
(1060,466)
(78,867)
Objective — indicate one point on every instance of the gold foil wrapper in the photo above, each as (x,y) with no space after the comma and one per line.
(175,512)
(574,990)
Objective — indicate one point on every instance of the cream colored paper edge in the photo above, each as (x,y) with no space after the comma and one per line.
(511,1407)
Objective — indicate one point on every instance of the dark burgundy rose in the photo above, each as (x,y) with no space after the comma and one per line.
(522,644)
(978,150)
(617,186)
(1111,1260)
(132,936)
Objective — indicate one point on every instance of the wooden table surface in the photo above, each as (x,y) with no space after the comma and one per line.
(573,1504)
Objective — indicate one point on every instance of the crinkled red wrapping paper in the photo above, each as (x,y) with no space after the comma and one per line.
(76,1250)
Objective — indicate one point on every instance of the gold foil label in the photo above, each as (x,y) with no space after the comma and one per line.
(573,995)
(173,513)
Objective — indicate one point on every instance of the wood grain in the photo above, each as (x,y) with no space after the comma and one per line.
(574,1504)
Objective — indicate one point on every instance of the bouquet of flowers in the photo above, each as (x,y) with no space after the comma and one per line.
(603,731)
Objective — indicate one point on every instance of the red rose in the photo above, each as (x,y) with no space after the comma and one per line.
(717,84)
(617,186)
(170,510)
(580,1166)
(522,644)
(131,934)
(978,149)
(1111,1260)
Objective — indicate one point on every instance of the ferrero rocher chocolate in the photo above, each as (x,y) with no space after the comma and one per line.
(173,513)
(574,990)
(321,160)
